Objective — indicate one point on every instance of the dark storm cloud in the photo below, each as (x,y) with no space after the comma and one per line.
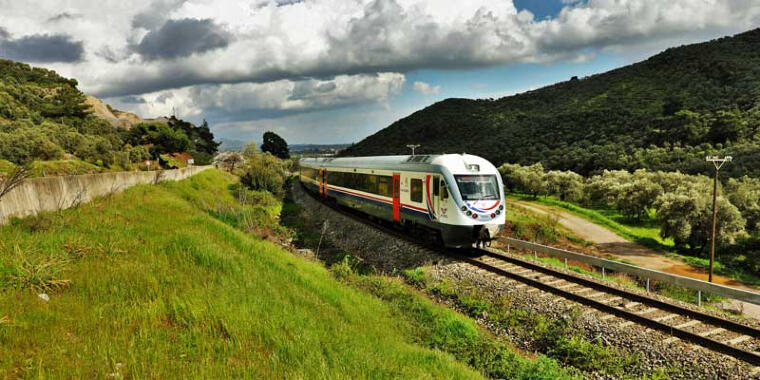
(182,38)
(40,48)
(155,15)
(132,99)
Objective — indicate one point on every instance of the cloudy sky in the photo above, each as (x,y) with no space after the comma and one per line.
(325,71)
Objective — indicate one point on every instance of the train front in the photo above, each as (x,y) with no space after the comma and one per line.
(477,196)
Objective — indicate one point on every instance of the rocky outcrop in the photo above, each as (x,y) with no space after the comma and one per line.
(116,118)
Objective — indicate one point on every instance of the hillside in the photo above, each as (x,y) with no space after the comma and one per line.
(181,294)
(664,113)
(44,117)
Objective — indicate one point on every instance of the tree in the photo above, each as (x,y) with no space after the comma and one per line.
(250,150)
(686,217)
(228,160)
(161,138)
(566,185)
(276,145)
(744,193)
(530,179)
(635,199)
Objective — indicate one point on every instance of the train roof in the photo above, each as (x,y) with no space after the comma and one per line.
(456,163)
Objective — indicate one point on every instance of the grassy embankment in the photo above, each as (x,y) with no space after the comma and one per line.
(165,281)
(155,282)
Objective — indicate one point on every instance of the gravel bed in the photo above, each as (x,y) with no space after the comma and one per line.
(387,254)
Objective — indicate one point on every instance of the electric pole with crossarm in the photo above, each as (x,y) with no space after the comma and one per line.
(412,147)
(718,163)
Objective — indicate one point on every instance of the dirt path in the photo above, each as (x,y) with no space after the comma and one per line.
(611,243)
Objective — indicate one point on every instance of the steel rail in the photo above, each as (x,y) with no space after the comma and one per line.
(747,356)
(738,353)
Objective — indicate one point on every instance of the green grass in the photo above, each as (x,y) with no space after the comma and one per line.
(155,282)
(645,232)
(527,225)
(556,339)
(449,331)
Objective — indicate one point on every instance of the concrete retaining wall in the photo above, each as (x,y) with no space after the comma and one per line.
(56,193)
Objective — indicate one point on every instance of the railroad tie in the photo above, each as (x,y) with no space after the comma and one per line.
(596,295)
(608,316)
(688,324)
(533,290)
(555,282)
(568,286)
(584,290)
(671,339)
(647,311)
(631,304)
(522,271)
(545,278)
(712,332)
(737,340)
(666,318)
(612,299)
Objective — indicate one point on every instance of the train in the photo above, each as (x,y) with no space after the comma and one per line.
(457,200)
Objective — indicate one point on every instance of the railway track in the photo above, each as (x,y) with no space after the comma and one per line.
(625,307)
(718,334)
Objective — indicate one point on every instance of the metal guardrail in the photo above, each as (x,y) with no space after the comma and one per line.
(686,282)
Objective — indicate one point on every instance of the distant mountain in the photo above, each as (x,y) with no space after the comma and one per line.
(665,113)
(317,148)
(231,145)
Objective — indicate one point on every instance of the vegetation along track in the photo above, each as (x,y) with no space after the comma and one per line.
(718,334)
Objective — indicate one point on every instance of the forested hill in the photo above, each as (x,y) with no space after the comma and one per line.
(664,113)
(45,118)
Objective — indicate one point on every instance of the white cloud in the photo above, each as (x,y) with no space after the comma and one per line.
(243,101)
(282,56)
(323,38)
(425,88)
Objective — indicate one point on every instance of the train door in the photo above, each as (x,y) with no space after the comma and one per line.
(323,180)
(433,189)
(396,197)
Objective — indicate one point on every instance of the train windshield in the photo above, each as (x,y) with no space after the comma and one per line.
(478,187)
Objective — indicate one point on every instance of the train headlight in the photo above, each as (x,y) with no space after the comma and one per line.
(493,215)
(469,212)
(474,216)
(501,207)
(498,212)
(464,208)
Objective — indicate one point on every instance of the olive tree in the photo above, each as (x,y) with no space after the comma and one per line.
(635,199)
(686,217)
(744,193)
(566,185)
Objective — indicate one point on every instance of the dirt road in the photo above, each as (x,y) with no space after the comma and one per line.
(613,244)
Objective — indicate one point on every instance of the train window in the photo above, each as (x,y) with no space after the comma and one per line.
(436,187)
(415,190)
(384,186)
(444,190)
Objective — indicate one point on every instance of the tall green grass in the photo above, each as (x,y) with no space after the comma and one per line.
(155,282)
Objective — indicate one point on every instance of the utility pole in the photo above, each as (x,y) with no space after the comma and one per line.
(718,163)
(412,147)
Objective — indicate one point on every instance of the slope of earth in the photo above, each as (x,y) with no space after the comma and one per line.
(116,118)
(153,283)
(609,243)
(664,113)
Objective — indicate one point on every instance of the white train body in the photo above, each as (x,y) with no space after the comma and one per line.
(457,195)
